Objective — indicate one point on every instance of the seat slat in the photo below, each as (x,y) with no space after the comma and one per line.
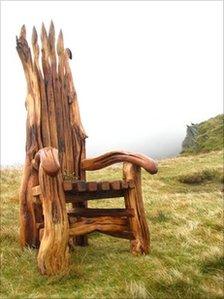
(115,185)
(104,185)
(92,186)
(79,186)
(67,185)
(82,186)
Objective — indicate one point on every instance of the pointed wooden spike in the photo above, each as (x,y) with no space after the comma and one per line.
(51,36)
(52,26)
(34,36)
(60,43)
(44,40)
(43,33)
(23,32)
(35,43)
(61,35)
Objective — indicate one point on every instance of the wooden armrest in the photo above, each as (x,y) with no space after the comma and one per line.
(47,157)
(116,157)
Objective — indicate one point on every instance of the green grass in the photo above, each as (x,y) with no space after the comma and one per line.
(186,224)
(209,136)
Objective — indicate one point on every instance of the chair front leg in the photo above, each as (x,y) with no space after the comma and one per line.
(53,255)
(133,200)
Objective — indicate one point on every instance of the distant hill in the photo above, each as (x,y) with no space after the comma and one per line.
(204,137)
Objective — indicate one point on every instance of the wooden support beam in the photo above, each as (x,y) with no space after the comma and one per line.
(103,224)
(89,212)
(73,196)
(119,233)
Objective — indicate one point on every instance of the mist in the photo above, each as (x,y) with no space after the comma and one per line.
(142,71)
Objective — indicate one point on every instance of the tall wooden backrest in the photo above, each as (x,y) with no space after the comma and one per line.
(57,119)
(53,119)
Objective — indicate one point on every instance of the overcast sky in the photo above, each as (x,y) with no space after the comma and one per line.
(142,70)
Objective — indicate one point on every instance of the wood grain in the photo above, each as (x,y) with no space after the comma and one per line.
(90,212)
(102,224)
(133,200)
(28,231)
(53,255)
(116,157)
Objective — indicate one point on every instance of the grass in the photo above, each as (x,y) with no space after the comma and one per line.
(198,177)
(209,136)
(186,224)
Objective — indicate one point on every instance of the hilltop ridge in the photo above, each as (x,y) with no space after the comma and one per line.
(204,137)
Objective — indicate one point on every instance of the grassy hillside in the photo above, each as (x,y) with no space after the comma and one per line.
(185,212)
(209,136)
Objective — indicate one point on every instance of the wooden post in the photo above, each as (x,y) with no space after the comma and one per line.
(133,200)
(53,255)
(28,231)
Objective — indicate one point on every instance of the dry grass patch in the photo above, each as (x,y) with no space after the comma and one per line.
(186,259)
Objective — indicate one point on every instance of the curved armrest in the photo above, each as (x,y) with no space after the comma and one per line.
(116,157)
(47,157)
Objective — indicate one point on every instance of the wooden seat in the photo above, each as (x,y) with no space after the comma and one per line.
(83,186)
(78,187)
(81,190)
(55,149)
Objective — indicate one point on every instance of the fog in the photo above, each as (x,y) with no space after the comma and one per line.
(142,70)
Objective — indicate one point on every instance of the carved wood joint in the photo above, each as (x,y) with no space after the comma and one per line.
(47,158)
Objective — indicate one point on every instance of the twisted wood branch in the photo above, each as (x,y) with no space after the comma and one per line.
(118,156)
(53,255)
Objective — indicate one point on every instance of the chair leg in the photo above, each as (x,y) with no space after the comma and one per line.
(28,231)
(133,199)
(53,255)
(80,240)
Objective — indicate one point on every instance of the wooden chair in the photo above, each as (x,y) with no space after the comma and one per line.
(55,150)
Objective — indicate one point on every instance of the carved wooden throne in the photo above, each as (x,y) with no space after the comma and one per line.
(55,150)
